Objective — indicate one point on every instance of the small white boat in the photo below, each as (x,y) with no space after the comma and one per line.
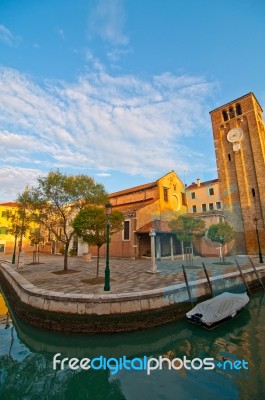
(212,313)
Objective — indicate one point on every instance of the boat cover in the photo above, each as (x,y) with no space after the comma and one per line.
(219,307)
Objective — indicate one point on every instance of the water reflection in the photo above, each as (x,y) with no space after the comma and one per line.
(26,361)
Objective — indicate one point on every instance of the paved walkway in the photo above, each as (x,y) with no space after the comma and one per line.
(127,275)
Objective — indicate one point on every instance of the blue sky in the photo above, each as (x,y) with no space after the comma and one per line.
(121,89)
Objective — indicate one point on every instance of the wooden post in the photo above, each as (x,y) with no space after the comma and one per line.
(242,276)
(187,284)
(208,279)
(256,272)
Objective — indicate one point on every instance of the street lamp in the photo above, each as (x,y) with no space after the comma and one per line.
(107,270)
(257,233)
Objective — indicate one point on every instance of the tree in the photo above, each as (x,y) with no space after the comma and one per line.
(19,223)
(221,233)
(90,225)
(56,200)
(186,226)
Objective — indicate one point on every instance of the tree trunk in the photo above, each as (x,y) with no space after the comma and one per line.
(65,263)
(98,262)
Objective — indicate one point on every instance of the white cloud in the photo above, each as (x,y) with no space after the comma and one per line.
(100,122)
(103,174)
(13,181)
(107,21)
(7,37)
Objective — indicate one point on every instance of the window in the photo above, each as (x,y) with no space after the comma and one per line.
(211,191)
(231,112)
(183,199)
(126,230)
(218,205)
(210,206)
(194,209)
(193,195)
(203,207)
(238,109)
(2,248)
(225,115)
(3,230)
(229,157)
(165,194)
(253,192)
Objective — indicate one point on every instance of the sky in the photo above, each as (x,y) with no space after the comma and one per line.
(121,90)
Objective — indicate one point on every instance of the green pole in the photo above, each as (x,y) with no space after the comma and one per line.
(107,269)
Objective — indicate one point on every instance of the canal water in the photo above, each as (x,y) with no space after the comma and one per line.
(238,350)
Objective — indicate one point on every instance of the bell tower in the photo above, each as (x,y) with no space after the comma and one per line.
(239,140)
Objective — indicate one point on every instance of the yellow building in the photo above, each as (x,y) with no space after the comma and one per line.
(204,201)
(7,240)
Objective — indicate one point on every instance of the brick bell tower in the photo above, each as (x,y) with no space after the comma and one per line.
(239,139)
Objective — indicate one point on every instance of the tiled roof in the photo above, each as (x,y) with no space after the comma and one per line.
(133,189)
(238,99)
(206,183)
(157,225)
(9,204)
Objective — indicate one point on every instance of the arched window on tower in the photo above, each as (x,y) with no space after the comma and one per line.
(238,109)
(225,115)
(231,112)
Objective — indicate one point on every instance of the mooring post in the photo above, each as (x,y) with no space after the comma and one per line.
(187,284)
(208,279)
(242,276)
(257,274)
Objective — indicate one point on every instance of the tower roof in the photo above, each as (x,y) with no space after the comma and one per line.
(235,100)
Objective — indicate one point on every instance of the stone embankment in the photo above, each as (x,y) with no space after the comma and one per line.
(110,312)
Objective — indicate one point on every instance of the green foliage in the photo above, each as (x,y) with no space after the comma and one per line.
(19,221)
(221,233)
(56,200)
(73,252)
(90,225)
(186,226)
(62,251)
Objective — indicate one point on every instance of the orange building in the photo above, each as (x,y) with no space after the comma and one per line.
(144,207)
(152,205)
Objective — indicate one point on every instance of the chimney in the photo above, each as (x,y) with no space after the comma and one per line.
(198,182)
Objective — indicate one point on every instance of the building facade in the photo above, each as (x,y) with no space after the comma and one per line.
(7,240)
(144,207)
(204,201)
(239,139)
(152,206)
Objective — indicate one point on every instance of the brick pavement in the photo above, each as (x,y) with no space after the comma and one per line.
(127,275)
